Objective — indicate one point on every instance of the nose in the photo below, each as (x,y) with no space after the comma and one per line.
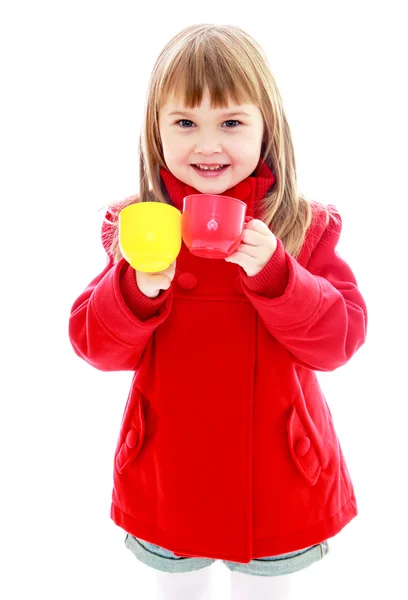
(207,146)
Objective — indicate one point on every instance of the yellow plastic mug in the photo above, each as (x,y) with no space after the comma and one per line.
(150,235)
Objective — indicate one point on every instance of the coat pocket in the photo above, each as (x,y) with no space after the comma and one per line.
(304,452)
(133,436)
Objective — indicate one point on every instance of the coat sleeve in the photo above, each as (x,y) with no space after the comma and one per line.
(111,322)
(317,312)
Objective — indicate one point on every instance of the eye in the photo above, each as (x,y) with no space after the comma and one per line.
(232,121)
(184,121)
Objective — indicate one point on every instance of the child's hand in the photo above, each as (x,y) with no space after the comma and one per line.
(150,284)
(256,249)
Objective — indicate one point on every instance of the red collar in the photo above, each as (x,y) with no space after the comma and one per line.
(250,190)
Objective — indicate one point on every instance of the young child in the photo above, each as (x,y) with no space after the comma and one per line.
(227,448)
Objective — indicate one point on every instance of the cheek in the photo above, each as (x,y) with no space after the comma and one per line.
(243,153)
(173,147)
(168,149)
(248,146)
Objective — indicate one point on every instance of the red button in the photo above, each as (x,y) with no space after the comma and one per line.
(187,281)
(302,446)
(131,438)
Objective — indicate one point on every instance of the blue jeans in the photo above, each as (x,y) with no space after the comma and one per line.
(281,564)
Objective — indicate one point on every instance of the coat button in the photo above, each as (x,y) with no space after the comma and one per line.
(302,446)
(131,438)
(187,281)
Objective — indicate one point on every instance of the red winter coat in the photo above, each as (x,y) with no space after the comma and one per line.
(227,447)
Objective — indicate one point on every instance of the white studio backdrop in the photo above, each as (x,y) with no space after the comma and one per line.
(74,77)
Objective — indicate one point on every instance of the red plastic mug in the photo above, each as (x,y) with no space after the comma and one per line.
(212,225)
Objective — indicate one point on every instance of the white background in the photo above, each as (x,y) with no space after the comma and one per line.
(73,79)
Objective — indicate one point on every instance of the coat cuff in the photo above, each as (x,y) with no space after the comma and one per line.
(273,279)
(143,307)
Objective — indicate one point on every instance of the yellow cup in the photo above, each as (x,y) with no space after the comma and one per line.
(150,235)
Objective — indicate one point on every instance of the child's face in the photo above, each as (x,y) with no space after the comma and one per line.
(203,135)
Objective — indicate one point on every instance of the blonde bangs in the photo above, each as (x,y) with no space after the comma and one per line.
(209,62)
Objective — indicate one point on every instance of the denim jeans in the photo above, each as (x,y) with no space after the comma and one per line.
(281,564)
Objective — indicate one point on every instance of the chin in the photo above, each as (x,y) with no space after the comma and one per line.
(209,190)
(210,187)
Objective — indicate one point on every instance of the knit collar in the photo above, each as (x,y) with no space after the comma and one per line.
(250,190)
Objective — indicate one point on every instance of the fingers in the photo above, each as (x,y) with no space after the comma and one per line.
(171,270)
(258,226)
(255,233)
(150,284)
(164,278)
(162,282)
(252,238)
(243,259)
(248,249)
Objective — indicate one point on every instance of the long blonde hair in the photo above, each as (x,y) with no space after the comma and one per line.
(227,61)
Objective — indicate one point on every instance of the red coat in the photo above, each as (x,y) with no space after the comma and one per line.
(227,447)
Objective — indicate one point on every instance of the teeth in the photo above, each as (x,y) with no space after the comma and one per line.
(210,168)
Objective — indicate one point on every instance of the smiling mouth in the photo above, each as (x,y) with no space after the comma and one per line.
(210,167)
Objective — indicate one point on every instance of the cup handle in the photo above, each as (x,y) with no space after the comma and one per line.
(246,221)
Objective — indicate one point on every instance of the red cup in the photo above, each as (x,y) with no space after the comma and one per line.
(212,225)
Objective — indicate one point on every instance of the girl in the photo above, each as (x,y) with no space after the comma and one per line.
(227,448)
